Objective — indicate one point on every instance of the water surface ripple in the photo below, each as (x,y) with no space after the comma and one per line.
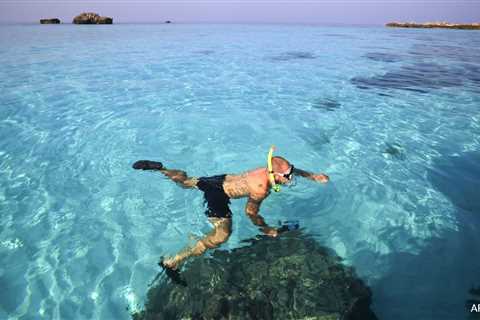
(391,115)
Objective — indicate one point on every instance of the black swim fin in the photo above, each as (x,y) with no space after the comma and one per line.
(147,165)
(173,274)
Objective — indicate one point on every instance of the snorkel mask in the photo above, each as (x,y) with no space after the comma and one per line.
(271,176)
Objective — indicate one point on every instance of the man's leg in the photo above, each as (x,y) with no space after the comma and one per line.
(177,176)
(222,228)
(180,177)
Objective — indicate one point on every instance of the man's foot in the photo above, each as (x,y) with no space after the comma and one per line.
(173,274)
(147,165)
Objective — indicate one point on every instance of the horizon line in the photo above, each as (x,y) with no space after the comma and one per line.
(211,22)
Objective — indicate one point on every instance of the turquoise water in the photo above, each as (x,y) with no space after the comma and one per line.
(391,115)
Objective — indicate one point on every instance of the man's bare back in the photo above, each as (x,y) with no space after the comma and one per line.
(252,184)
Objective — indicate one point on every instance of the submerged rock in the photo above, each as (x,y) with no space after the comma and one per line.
(418,77)
(289,277)
(91,18)
(326,104)
(293,55)
(383,57)
(395,150)
(50,21)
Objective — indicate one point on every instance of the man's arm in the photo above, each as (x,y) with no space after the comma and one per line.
(251,209)
(323,178)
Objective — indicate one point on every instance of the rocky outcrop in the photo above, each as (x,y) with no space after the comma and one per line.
(50,21)
(91,18)
(445,25)
(289,277)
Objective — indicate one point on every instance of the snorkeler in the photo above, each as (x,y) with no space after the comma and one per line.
(218,190)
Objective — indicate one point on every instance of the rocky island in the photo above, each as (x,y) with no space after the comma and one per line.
(50,21)
(444,25)
(289,277)
(91,18)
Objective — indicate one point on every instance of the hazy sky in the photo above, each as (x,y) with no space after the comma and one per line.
(266,11)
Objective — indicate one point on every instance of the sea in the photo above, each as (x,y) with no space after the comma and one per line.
(391,115)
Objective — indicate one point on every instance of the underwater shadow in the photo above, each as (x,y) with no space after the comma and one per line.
(458,178)
(434,284)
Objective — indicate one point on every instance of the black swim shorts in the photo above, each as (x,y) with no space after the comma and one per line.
(215,198)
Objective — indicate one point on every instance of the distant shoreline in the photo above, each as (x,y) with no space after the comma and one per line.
(430,25)
(472,26)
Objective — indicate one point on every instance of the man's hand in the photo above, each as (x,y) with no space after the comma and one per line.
(323,178)
(271,232)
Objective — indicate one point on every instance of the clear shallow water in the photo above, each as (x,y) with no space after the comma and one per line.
(391,115)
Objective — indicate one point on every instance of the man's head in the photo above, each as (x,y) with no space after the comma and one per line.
(282,170)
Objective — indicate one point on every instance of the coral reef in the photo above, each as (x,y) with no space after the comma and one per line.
(289,277)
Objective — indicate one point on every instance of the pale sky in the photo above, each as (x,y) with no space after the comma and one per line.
(374,12)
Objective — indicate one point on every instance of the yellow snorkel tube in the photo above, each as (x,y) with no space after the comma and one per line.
(271,176)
